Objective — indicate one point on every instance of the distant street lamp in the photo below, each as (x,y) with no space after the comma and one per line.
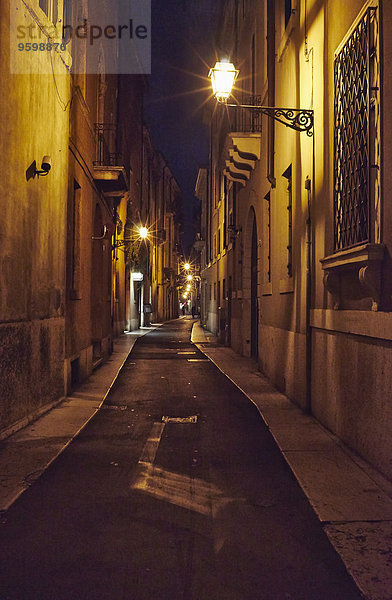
(223,77)
(187,266)
(143,232)
(189,277)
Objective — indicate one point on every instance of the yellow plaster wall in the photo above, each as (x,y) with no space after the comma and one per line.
(32,228)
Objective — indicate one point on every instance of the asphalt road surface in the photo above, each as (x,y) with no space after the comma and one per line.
(174,491)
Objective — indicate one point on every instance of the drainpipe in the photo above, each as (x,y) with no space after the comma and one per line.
(113,259)
(308,406)
(271,88)
(308,187)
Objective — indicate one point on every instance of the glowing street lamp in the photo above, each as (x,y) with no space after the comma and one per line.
(139,233)
(143,232)
(189,277)
(187,266)
(223,76)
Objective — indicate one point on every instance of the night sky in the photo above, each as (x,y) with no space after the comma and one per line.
(182,50)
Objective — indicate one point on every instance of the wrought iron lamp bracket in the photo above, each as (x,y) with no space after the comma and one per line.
(298,119)
(122,244)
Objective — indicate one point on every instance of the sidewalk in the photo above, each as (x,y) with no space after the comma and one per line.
(27,453)
(352,500)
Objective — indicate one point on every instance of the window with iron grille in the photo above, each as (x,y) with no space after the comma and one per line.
(356,136)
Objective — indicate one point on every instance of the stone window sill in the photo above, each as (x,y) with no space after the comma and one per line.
(365,262)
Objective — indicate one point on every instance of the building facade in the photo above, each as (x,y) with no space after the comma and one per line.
(166,232)
(297,228)
(104,194)
(74,272)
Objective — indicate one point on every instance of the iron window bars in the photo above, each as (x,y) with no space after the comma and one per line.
(355,96)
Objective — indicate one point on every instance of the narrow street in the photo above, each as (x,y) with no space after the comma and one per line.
(139,508)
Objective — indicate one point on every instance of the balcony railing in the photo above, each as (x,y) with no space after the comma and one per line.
(245,120)
(105,153)
(110,174)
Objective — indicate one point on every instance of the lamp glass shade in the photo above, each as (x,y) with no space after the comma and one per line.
(223,76)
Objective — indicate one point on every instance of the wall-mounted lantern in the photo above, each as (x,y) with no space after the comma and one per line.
(223,77)
(142,234)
